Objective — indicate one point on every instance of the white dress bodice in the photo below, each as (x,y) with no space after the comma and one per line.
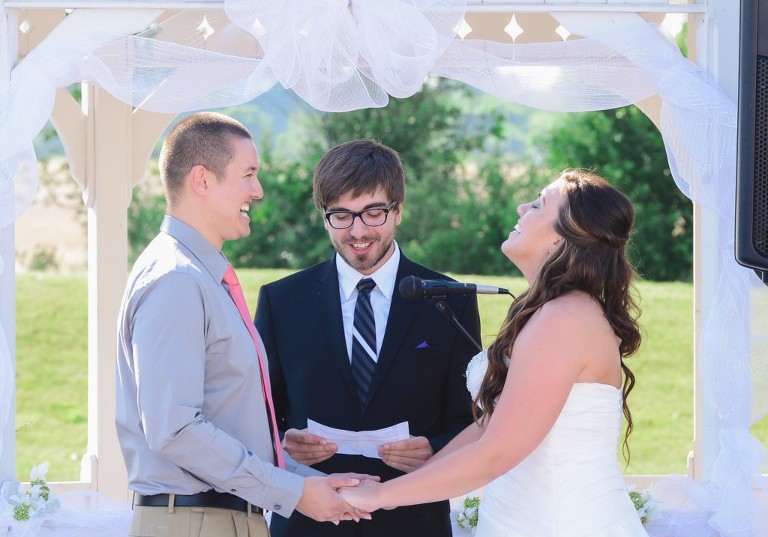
(571,485)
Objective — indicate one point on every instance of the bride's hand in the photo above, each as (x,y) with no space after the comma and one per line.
(363,497)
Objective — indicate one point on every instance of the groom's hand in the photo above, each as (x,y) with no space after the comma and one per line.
(306,447)
(321,500)
(406,455)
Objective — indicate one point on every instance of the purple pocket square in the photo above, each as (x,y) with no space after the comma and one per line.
(422,345)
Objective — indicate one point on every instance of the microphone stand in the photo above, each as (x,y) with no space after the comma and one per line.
(443,307)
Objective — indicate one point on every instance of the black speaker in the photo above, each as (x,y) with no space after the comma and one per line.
(752,145)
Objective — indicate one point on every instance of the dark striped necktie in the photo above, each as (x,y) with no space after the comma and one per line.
(363,340)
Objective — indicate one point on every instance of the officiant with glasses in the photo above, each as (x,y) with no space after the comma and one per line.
(194,412)
(348,352)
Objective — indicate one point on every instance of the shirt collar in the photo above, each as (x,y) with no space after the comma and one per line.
(384,277)
(211,258)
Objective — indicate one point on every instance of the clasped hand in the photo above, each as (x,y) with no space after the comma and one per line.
(348,496)
(363,498)
(321,498)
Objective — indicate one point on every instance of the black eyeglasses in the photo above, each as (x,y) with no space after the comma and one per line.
(373,217)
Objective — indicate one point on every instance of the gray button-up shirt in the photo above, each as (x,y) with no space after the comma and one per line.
(190,411)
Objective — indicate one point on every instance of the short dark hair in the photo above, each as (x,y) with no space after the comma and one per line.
(203,139)
(360,167)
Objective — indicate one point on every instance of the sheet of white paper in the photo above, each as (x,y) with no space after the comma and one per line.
(364,443)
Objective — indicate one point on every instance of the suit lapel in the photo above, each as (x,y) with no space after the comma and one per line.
(401,314)
(328,305)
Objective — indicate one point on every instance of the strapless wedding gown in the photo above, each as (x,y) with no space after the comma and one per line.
(571,484)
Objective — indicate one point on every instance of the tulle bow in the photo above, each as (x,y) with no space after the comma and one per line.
(341,55)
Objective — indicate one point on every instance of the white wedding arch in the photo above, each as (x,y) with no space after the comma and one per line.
(145,61)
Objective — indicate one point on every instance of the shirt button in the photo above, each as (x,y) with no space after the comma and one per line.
(277,507)
(233,490)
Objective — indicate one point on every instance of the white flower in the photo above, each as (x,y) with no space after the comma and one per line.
(38,472)
(644,505)
(38,500)
(26,500)
(468,514)
(47,507)
(21,508)
(20,493)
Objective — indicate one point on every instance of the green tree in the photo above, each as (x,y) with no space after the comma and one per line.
(458,149)
(145,213)
(436,140)
(445,199)
(625,147)
(286,229)
(489,214)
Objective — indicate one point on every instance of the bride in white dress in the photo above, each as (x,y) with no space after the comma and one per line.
(550,392)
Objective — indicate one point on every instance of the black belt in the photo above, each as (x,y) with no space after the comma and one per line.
(211,498)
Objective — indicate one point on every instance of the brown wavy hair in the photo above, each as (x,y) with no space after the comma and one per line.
(595,223)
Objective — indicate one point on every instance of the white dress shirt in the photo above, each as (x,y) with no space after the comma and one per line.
(381,295)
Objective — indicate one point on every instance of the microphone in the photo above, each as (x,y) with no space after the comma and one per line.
(412,287)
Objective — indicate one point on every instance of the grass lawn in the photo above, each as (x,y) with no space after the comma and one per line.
(51,373)
(51,408)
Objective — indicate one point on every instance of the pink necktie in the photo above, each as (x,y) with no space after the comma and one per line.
(236,292)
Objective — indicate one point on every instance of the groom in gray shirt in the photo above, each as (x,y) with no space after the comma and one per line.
(191,416)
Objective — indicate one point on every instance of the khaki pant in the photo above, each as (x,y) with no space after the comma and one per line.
(196,522)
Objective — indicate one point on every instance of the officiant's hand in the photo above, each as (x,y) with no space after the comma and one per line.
(307,448)
(406,455)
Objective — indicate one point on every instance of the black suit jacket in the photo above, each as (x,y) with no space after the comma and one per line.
(419,378)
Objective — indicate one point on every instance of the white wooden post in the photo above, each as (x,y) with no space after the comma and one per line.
(107,145)
(107,195)
(716,44)
(8,57)
(119,142)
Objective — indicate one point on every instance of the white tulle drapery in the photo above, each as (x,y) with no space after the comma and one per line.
(339,55)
